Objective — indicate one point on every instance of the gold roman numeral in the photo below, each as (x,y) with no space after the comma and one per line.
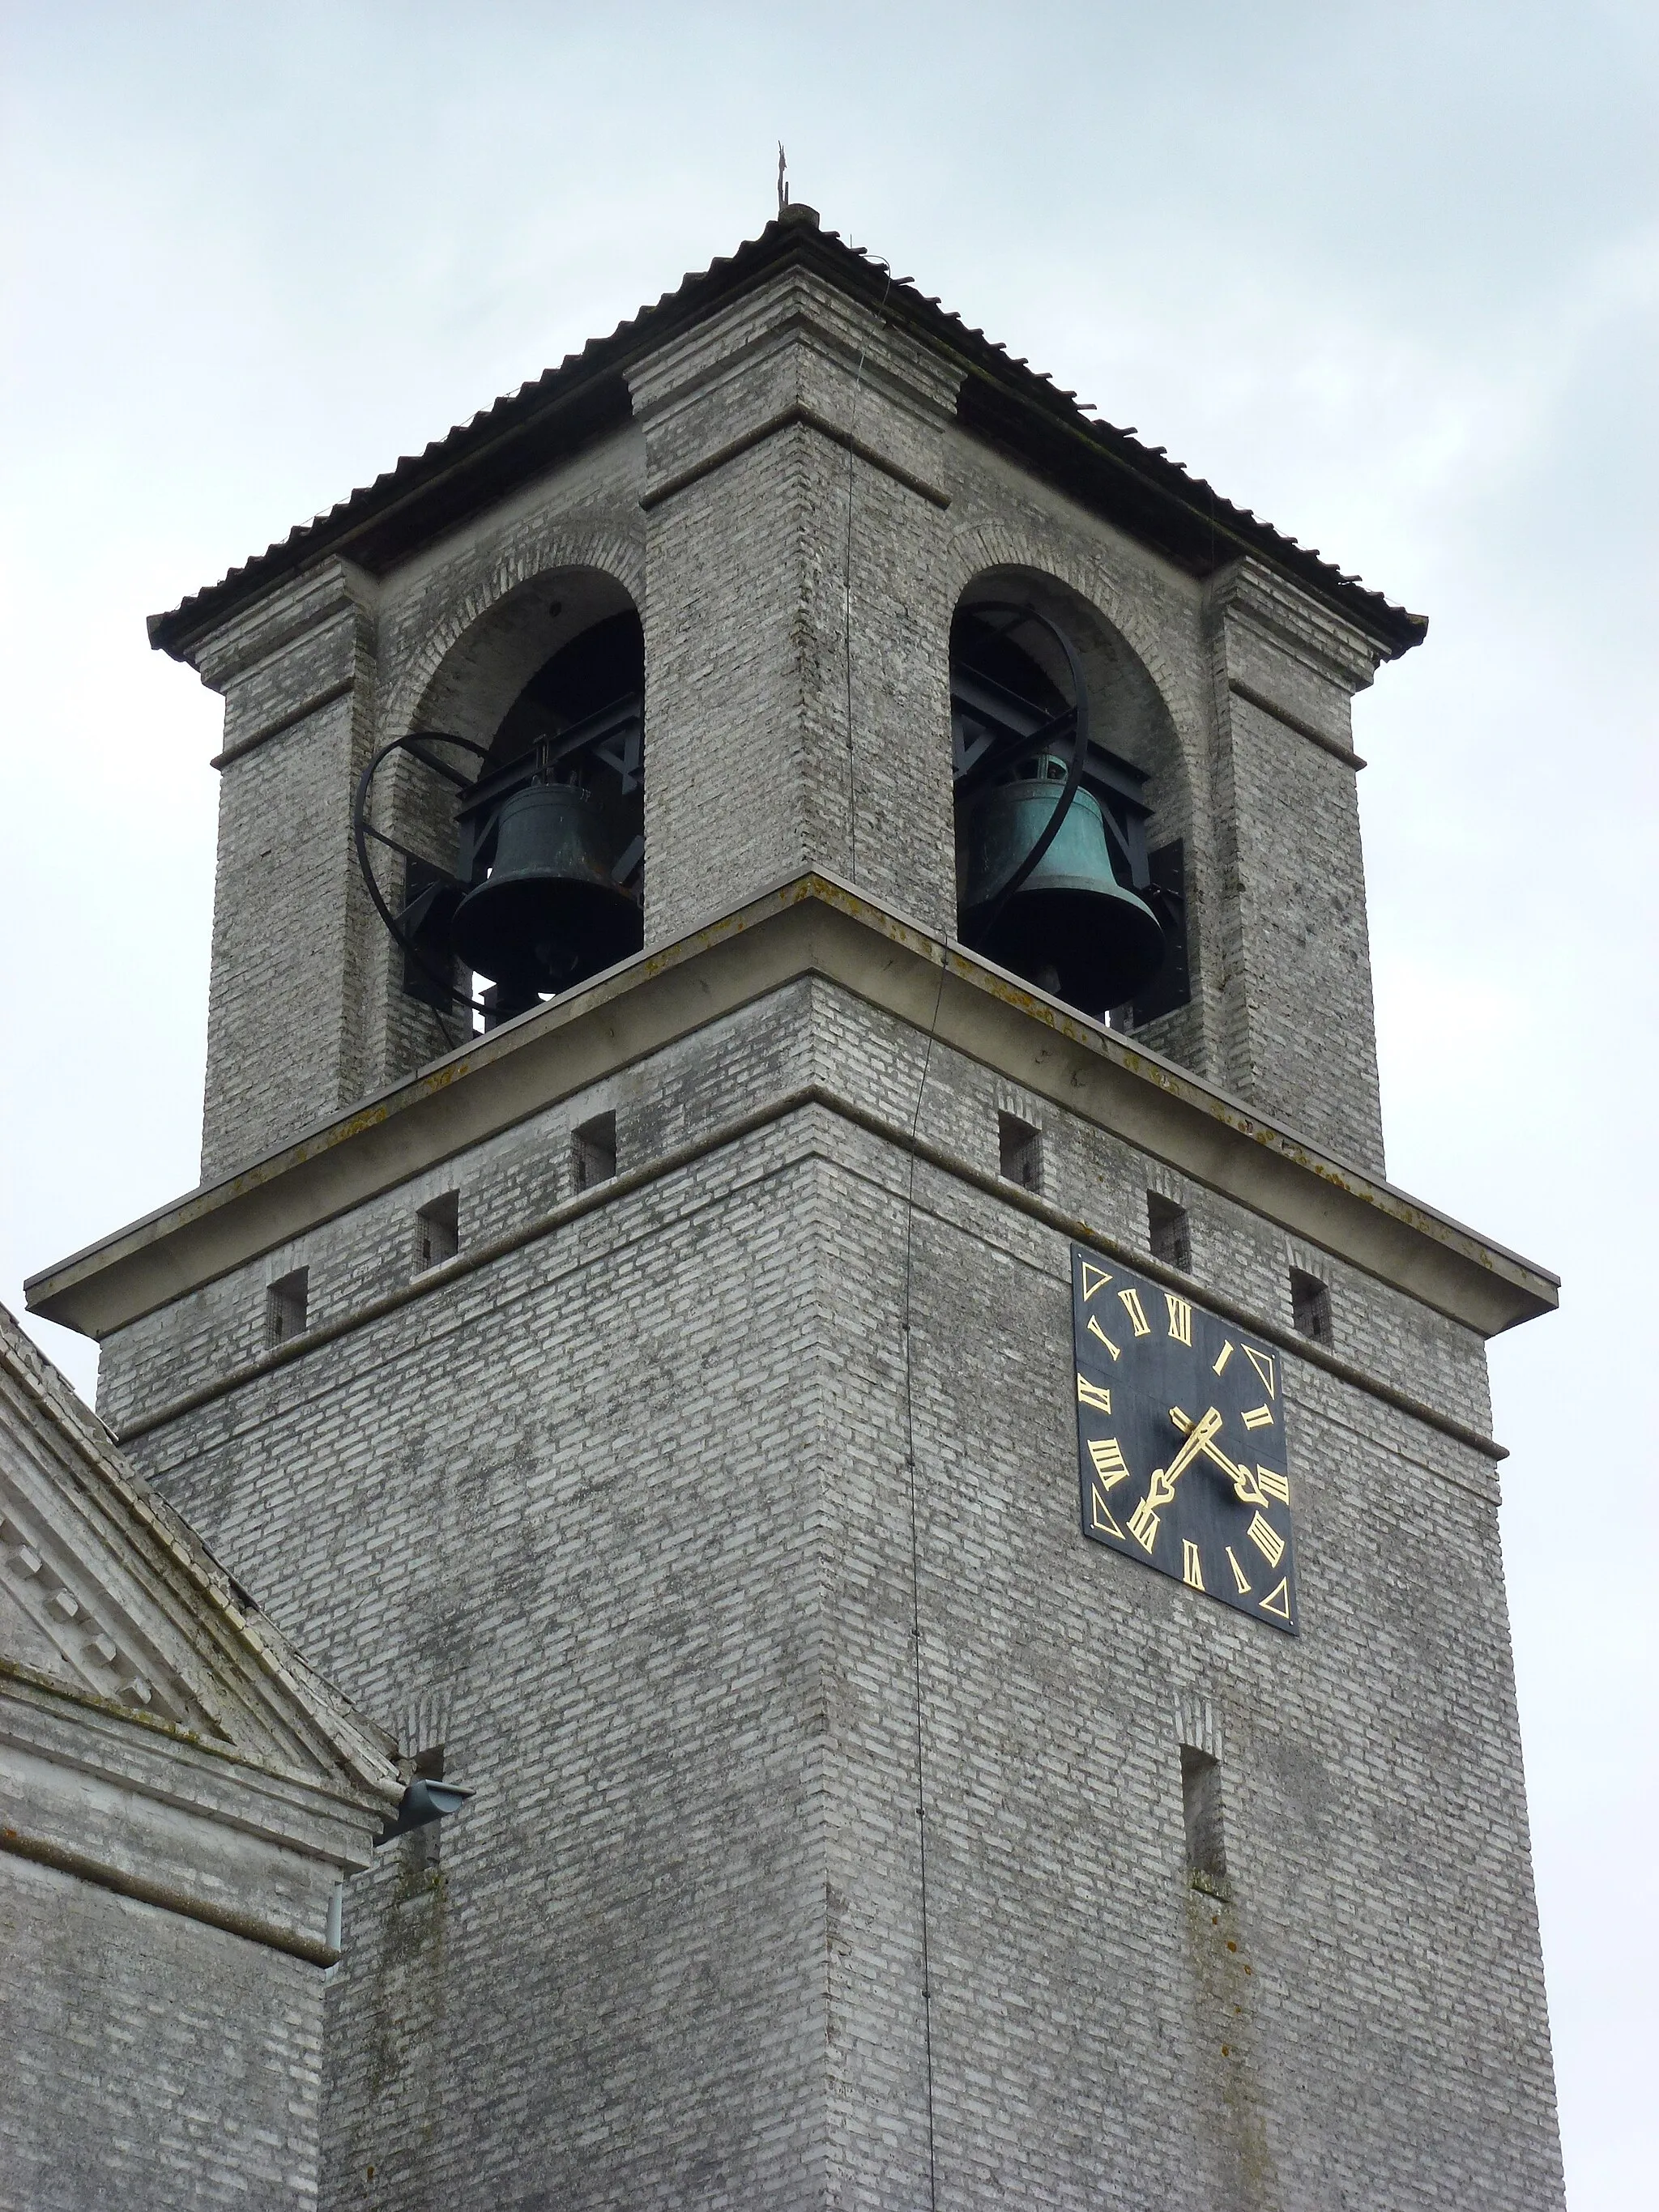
(1137,1313)
(1240,1581)
(1278,1600)
(1181,1318)
(1100,1515)
(1266,1539)
(1259,1416)
(1263,1363)
(1095,1329)
(1109,1462)
(1092,1393)
(1093,1279)
(1143,1526)
(1273,1486)
(1192,1567)
(1223,1357)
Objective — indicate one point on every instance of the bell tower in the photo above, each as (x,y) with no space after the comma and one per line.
(793,1280)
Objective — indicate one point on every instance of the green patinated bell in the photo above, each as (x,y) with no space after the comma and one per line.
(1071,928)
(551,912)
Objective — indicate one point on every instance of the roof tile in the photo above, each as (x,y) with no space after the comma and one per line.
(699,293)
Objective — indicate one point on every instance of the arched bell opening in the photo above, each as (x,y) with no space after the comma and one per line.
(1057,748)
(554,828)
(525,782)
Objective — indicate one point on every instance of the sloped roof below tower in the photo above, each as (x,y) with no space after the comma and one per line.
(158,1736)
(1002,400)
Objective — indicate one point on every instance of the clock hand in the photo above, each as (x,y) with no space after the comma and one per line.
(1161,1490)
(1245,1487)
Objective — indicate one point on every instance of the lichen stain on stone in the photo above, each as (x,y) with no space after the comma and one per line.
(1221,1985)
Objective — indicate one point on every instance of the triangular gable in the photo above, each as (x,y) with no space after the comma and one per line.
(104,1590)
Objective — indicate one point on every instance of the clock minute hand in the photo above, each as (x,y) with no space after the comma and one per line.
(1161,1490)
(1245,1487)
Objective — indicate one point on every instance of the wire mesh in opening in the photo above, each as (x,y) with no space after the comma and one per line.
(1310,1306)
(1169,1232)
(438,1232)
(1019,1152)
(593,1152)
(285,1301)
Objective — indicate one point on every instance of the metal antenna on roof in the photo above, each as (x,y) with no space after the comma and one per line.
(783,180)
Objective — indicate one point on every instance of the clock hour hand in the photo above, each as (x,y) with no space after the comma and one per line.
(1201,1436)
(1161,1490)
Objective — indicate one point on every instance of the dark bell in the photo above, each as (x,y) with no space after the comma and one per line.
(550,912)
(1071,928)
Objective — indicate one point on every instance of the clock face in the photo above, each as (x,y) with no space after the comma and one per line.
(1180,1441)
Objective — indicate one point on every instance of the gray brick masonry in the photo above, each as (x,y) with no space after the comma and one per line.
(180,1801)
(636,1506)
(756,547)
(633,1500)
(154,2063)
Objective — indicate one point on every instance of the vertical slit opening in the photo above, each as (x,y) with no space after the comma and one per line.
(1019,1152)
(438,1232)
(593,1152)
(1169,1232)
(285,1306)
(1201,1800)
(1310,1306)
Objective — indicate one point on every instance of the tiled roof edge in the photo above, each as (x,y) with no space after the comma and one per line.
(1236,529)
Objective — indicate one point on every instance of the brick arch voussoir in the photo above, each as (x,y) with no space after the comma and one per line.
(998,545)
(612,552)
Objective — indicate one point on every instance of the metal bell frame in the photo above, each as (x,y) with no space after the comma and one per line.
(477,812)
(1076,716)
(362,829)
(1068,729)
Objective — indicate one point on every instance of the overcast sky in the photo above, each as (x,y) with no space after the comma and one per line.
(1389,276)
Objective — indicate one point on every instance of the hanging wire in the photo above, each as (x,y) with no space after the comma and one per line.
(909,1277)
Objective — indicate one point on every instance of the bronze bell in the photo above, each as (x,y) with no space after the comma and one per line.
(1070,928)
(550,911)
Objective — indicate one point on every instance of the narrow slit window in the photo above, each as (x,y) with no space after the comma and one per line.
(593,1152)
(1201,1800)
(1169,1232)
(1310,1306)
(285,1307)
(1019,1152)
(438,1232)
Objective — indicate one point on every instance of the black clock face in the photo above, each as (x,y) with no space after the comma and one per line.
(1180,1441)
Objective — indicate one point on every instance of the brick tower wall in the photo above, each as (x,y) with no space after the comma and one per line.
(630,1506)
(796,513)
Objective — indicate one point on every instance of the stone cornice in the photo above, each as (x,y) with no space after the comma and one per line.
(107,1798)
(299,605)
(1339,652)
(811,924)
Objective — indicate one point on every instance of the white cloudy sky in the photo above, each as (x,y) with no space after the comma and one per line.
(1388,275)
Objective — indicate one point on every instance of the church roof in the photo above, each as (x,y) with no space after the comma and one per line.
(1003,400)
(108,1599)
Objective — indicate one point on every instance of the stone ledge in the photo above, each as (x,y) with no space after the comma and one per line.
(155,1815)
(490,1249)
(811,924)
